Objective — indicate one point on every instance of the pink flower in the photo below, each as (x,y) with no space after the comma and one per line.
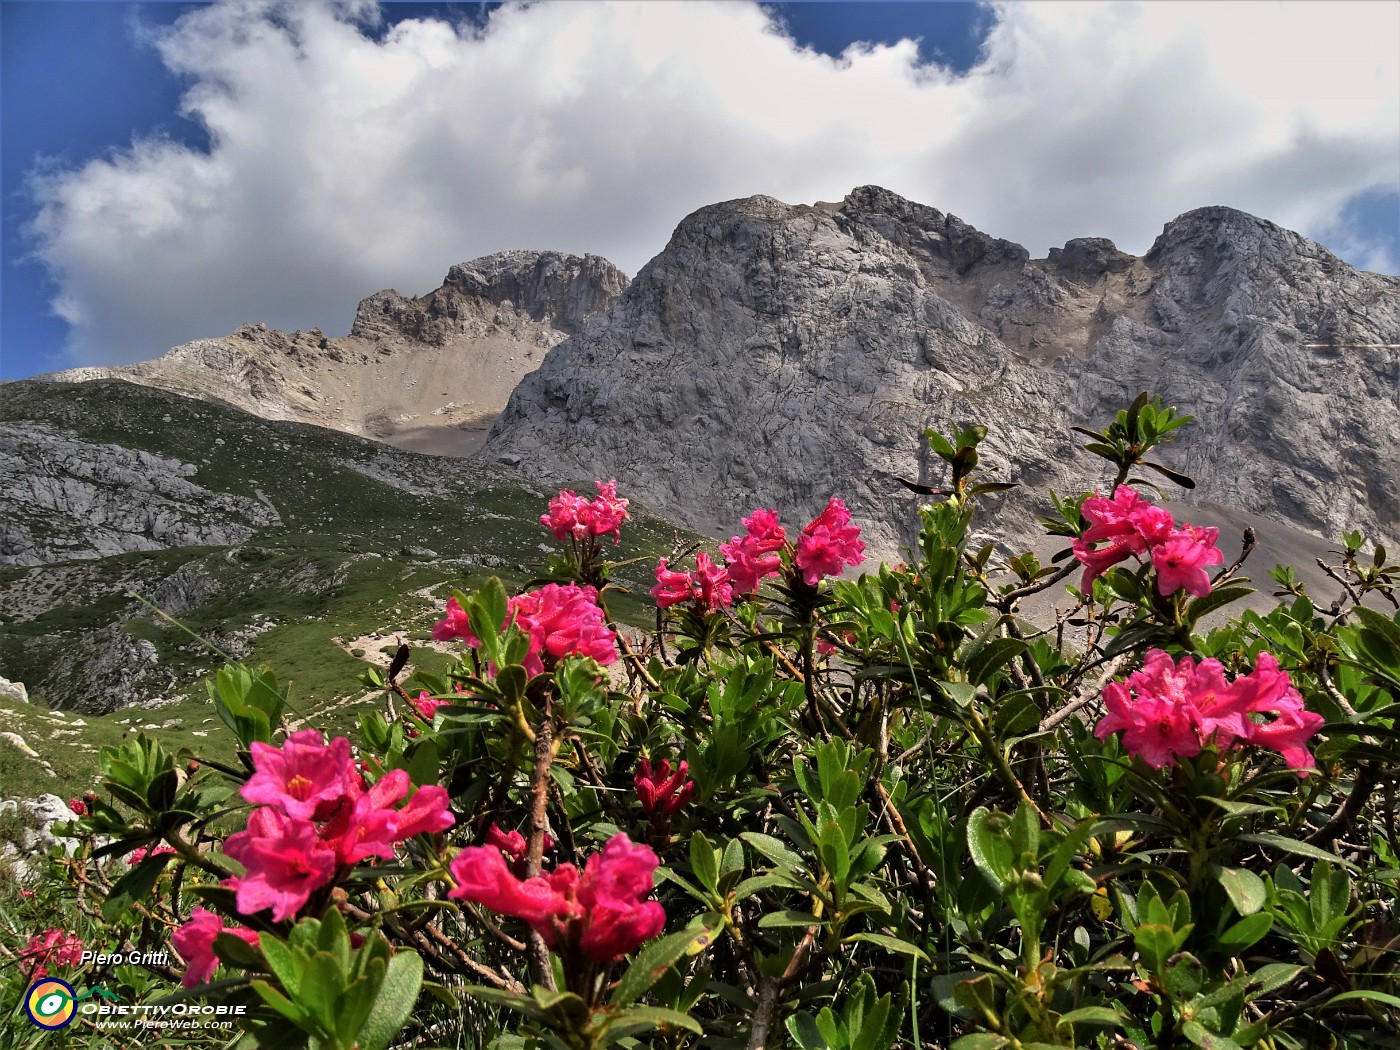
(455,625)
(671,588)
(663,792)
(560,621)
(305,777)
(136,856)
(828,542)
(511,843)
(286,862)
(1268,690)
(54,947)
(754,557)
(1181,560)
(78,806)
(195,943)
(1129,522)
(603,913)
(1171,711)
(608,511)
(708,587)
(563,621)
(573,517)
(1155,728)
(565,519)
(426,705)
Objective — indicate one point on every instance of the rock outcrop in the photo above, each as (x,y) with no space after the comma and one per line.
(429,374)
(776,355)
(69,498)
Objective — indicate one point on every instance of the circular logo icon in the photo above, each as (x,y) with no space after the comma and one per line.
(50,1003)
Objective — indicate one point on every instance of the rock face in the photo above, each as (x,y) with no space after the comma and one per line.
(775,355)
(70,498)
(429,374)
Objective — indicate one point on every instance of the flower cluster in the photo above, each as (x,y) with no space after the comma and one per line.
(708,587)
(560,620)
(54,947)
(662,792)
(78,806)
(136,856)
(195,943)
(573,517)
(601,914)
(754,557)
(316,819)
(426,705)
(1171,711)
(828,542)
(1134,527)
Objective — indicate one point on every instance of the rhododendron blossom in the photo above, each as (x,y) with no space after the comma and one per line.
(54,947)
(78,806)
(320,818)
(195,943)
(136,856)
(455,624)
(1134,527)
(662,792)
(1168,711)
(560,621)
(305,777)
(1180,561)
(602,914)
(708,587)
(426,705)
(827,543)
(573,517)
(754,557)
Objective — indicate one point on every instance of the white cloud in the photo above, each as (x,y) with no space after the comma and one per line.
(342,163)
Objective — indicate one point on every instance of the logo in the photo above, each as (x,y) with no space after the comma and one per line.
(50,1004)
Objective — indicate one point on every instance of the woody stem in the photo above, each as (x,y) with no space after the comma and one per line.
(539,826)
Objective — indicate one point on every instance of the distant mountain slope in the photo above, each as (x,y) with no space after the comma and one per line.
(428,374)
(270,539)
(776,354)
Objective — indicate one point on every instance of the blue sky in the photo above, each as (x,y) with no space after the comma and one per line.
(172,170)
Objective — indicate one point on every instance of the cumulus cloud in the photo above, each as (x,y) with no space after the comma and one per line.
(345,157)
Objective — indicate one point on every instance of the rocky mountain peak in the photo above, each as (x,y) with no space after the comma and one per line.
(779,354)
(514,290)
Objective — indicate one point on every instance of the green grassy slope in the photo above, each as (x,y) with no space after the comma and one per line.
(371,540)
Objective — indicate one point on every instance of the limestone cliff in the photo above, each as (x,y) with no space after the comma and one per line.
(775,355)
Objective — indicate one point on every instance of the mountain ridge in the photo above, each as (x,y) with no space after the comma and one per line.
(763,316)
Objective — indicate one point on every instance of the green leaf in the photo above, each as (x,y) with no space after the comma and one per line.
(990,658)
(1247,932)
(1181,479)
(787,917)
(805,1032)
(287,963)
(1302,849)
(1245,889)
(641,1018)
(1206,1039)
(283,1005)
(775,850)
(1216,599)
(1364,993)
(1093,1016)
(322,983)
(135,885)
(651,962)
(704,862)
(397,995)
(890,944)
(989,842)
